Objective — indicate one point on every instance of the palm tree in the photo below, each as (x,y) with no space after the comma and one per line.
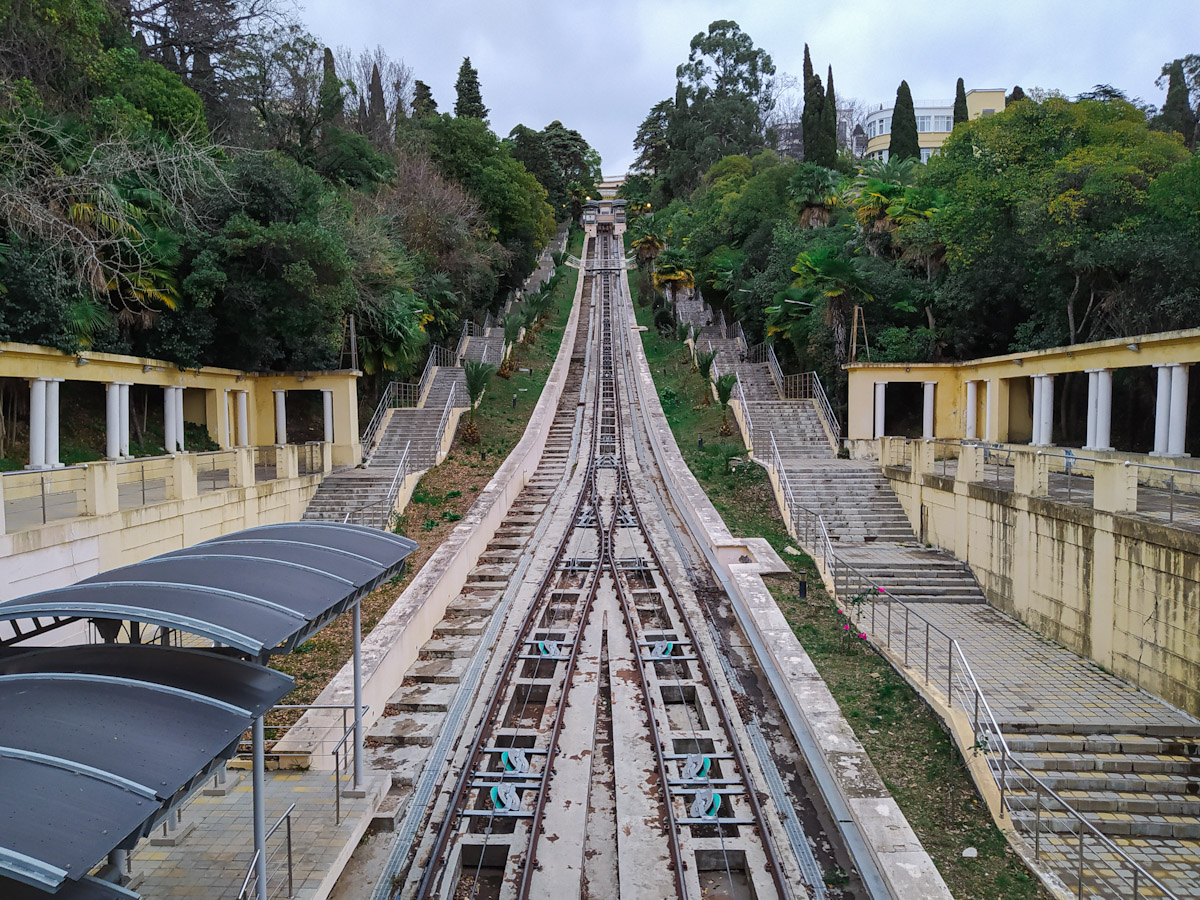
(673,274)
(513,323)
(478,374)
(724,392)
(841,281)
(648,246)
(815,188)
(704,364)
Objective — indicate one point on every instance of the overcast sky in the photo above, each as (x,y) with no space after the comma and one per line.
(599,67)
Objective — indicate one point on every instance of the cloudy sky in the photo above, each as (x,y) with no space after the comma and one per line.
(600,66)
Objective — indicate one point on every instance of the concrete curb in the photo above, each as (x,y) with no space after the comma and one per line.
(886,851)
(393,644)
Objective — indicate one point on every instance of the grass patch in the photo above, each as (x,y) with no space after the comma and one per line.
(904,738)
(444,494)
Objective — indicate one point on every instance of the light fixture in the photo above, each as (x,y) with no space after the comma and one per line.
(80,361)
(302,378)
(1133,348)
(1019,362)
(240,378)
(146,369)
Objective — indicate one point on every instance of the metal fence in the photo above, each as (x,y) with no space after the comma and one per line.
(280,864)
(214,470)
(44,495)
(1099,867)
(378,513)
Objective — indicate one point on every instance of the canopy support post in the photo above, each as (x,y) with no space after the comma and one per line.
(358,723)
(260,811)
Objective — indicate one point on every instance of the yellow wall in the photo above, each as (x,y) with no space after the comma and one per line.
(979,100)
(1010,375)
(1120,590)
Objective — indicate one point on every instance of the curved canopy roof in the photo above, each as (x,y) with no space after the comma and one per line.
(98,743)
(262,590)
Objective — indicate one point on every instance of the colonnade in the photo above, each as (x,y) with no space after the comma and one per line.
(44,420)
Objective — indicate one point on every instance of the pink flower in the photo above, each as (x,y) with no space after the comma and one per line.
(882,591)
(845,627)
(861,635)
(841,612)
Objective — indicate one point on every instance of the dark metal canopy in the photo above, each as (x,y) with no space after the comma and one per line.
(100,743)
(261,590)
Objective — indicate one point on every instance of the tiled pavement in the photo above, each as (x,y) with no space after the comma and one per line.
(1031,682)
(210,861)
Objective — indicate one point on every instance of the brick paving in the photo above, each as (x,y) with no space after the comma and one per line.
(218,839)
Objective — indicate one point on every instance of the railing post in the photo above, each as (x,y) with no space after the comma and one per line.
(1037,821)
(1079,872)
(291,888)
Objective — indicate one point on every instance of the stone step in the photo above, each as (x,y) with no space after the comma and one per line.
(1146,804)
(442,670)
(451,646)
(1121,782)
(1102,743)
(1141,763)
(408,729)
(1116,824)
(421,697)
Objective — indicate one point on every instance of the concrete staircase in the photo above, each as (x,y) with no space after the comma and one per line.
(854,498)
(1125,785)
(491,343)
(348,490)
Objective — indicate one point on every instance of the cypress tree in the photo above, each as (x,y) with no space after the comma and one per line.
(330,103)
(363,123)
(1017,94)
(810,118)
(829,141)
(960,103)
(904,144)
(1177,114)
(470,100)
(376,109)
(423,102)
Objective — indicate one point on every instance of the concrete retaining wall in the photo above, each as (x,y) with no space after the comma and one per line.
(1121,590)
(392,646)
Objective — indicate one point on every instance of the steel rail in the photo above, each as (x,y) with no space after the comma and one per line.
(436,863)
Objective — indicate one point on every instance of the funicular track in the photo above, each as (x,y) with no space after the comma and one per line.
(524,813)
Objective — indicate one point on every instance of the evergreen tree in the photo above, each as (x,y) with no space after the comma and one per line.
(376,109)
(330,103)
(423,102)
(829,141)
(1177,114)
(470,101)
(810,118)
(1017,94)
(960,103)
(904,143)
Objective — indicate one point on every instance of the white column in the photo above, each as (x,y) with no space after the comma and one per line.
(37,423)
(327,398)
(280,417)
(169,411)
(927,418)
(243,419)
(989,400)
(1047,410)
(179,419)
(1179,398)
(1103,409)
(112,420)
(880,398)
(1036,440)
(124,400)
(52,422)
(972,403)
(1093,407)
(1162,411)
(228,409)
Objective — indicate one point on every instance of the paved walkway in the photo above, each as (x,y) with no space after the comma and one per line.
(1031,682)
(211,860)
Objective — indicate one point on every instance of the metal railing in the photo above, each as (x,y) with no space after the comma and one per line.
(39,496)
(214,470)
(382,517)
(145,480)
(922,645)
(739,336)
(280,871)
(749,425)
(310,459)
(807,526)
(266,463)
(719,324)
(342,745)
(441,430)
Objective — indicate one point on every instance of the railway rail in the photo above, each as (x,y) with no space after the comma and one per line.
(607,759)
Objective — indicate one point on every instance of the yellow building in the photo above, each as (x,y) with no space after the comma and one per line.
(935,120)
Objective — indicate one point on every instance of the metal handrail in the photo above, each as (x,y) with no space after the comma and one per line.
(776,369)
(441,431)
(741,397)
(974,703)
(249,888)
(372,430)
(389,500)
(825,408)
